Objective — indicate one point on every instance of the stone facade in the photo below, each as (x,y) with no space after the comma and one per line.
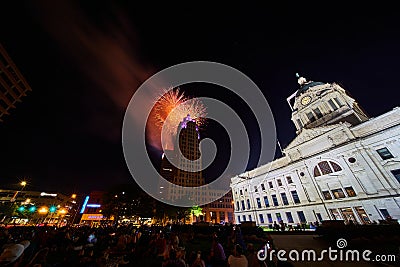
(337,169)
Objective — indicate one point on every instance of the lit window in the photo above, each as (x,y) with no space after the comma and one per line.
(269,216)
(384,153)
(316,172)
(338,193)
(275,200)
(284,199)
(302,218)
(278,217)
(289,217)
(258,202)
(326,167)
(350,191)
(295,196)
(266,201)
(327,195)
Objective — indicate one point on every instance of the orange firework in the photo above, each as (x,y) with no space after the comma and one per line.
(172,106)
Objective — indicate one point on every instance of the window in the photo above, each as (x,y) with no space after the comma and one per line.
(338,193)
(269,216)
(244,218)
(274,200)
(302,218)
(350,191)
(289,180)
(243,207)
(238,218)
(299,123)
(332,104)
(289,217)
(279,181)
(319,217)
(295,196)
(338,102)
(284,199)
(327,195)
(266,201)
(316,172)
(317,113)
(271,185)
(278,217)
(310,117)
(237,205)
(384,213)
(396,174)
(255,189)
(261,218)
(241,192)
(384,153)
(326,167)
(250,219)
(258,202)
(248,204)
(262,187)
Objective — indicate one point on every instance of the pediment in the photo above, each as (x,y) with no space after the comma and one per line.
(308,134)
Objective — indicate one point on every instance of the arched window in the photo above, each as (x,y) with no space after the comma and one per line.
(326,167)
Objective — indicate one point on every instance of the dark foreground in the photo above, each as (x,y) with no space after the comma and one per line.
(179,245)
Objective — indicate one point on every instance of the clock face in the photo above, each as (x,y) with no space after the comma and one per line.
(306,100)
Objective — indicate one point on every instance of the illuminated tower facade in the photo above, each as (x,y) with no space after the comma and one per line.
(317,104)
(13,85)
(188,141)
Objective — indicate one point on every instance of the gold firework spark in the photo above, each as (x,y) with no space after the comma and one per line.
(181,105)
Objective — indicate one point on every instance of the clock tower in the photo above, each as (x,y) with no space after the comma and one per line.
(317,104)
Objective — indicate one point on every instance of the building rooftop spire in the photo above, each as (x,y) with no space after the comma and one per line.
(300,80)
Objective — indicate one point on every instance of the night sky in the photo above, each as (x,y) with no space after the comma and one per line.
(84,62)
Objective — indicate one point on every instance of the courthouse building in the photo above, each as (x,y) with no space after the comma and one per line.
(342,165)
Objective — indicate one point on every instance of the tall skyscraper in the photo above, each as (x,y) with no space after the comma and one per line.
(188,141)
(188,173)
(13,85)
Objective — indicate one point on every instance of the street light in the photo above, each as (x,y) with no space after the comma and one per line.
(23,183)
(43,210)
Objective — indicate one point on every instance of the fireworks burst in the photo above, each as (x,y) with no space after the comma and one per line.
(181,105)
